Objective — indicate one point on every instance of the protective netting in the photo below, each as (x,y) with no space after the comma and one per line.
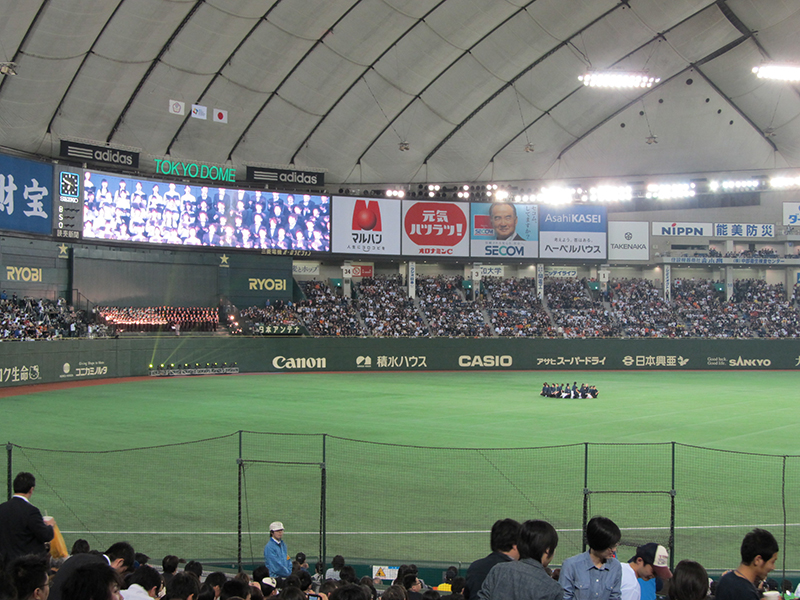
(377,503)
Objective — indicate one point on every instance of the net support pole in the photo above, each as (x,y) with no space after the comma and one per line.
(323,525)
(672,514)
(783,503)
(585,493)
(9,448)
(239,468)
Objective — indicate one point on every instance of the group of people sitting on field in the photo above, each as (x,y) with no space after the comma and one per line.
(564,390)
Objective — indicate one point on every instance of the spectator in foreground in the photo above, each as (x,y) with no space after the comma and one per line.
(759,552)
(96,581)
(526,579)
(689,582)
(503,542)
(595,570)
(29,576)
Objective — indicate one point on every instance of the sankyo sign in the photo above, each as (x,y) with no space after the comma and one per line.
(182,169)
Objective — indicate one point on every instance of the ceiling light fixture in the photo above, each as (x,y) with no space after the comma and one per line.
(529,147)
(404,146)
(651,139)
(618,79)
(8,68)
(778,72)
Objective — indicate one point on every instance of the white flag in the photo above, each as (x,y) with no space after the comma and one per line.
(176,107)
(199,112)
(220,116)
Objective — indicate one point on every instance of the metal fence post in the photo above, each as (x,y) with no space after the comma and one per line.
(9,481)
(240,469)
(586,493)
(672,514)
(323,525)
(783,503)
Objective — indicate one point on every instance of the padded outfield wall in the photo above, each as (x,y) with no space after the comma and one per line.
(24,363)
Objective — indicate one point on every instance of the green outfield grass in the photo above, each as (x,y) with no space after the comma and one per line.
(394,503)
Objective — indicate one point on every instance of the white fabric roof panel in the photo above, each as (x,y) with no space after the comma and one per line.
(337,84)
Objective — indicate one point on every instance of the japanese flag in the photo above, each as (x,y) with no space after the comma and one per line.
(220,116)
(199,111)
(176,107)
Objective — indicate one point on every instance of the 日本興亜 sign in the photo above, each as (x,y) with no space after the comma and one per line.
(197,170)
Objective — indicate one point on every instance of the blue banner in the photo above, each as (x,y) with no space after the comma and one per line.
(573,232)
(26,195)
(573,217)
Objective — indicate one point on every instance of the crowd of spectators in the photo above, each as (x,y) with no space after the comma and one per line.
(386,309)
(576,313)
(515,309)
(640,310)
(274,313)
(29,319)
(325,313)
(159,318)
(446,311)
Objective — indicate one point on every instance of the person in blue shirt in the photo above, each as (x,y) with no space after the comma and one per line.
(596,574)
(276,554)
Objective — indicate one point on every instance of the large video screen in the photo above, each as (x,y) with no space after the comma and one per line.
(140,210)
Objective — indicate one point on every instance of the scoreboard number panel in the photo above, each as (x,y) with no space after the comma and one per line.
(68,205)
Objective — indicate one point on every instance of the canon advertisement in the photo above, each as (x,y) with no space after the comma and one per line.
(577,232)
(435,229)
(504,230)
(366,226)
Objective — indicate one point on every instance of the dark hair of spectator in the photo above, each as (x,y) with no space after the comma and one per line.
(234,588)
(328,586)
(141,558)
(28,573)
(121,550)
(80,547)
(430,595)
(207,592)
(758,542)
(170,563)
(218,579)
(305,580)
(457,586)
(351,591)
(410,581)
(602,533)
(337,563)
(300,557)
(147,577)
(537,538)
(183,585)
(292,581)
(369,586)
(23,482)
(90,582)
(689,581)
(292,593)
(505,533)
(195,567)
(348,574)
(260,572)
(395,592)
(256,593)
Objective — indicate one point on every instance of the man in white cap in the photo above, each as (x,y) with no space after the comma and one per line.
(651,560)
(276,554)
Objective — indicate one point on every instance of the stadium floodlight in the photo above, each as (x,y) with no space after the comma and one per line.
(618,79)
(782,183)
(670,191)
(556,195)
(778,72)
(610,193)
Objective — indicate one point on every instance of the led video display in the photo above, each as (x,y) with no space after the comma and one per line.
(129,209)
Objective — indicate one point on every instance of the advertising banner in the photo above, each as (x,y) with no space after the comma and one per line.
(791,213)
(26,195)
(560,272)
(750,230)
(366,226)
(573,231)
(628,240)
(680,229)
(504,229)
(435,228)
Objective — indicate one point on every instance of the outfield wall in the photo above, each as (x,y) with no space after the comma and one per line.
(23,363)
